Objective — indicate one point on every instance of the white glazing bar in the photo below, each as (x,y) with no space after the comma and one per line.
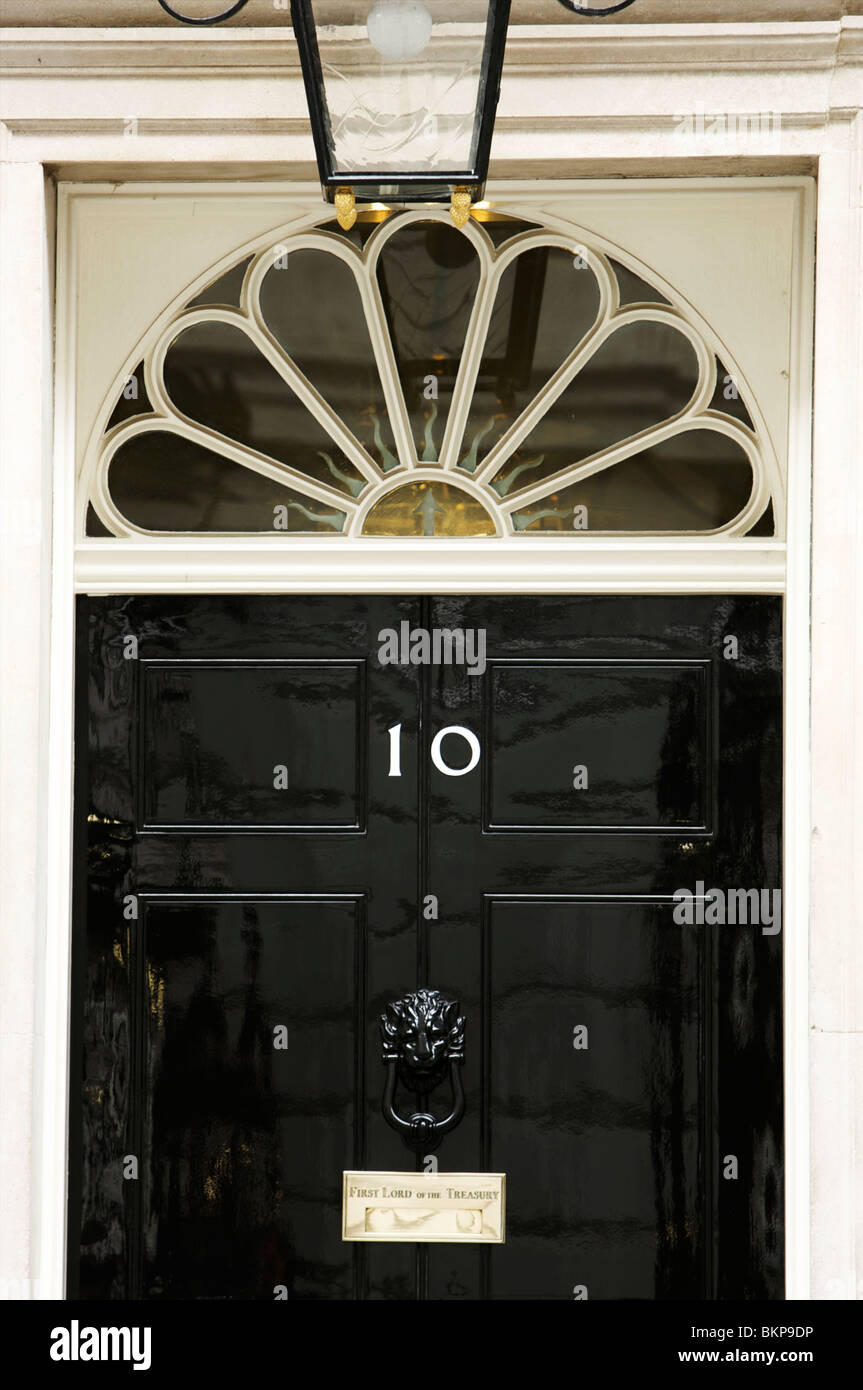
(797,775)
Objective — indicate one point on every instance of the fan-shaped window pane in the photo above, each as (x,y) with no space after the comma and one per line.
(322,397)
(162,482)
(765,525)
(226,289)
(93,526)
(695,481)
(362,229)
(312,306)
(633,290)
(727,397)
(500,230)
(545,303)
(642,374)
(428,276)
(215,375)
(132,400)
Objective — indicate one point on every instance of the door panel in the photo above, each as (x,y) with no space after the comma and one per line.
(620,722)
(248,861)
(211,731)
(236,1130)
(608,1136)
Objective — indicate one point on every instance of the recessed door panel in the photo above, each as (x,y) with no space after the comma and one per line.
(211,732)
(635,745)
(253,1014)
(596,1076)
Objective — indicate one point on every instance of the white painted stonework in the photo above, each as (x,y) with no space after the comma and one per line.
(159,153)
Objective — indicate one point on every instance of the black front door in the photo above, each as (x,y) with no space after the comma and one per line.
(293,811)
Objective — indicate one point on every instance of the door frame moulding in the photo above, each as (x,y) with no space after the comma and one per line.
(246,93)
(520,564)
(140,104)
(517,565)
(545,565)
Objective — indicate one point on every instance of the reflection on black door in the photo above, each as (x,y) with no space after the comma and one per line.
(273,842)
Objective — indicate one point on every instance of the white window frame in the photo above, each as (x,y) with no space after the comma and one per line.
(301,232)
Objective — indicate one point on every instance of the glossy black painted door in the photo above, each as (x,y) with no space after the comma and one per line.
(254,884)
(624,1057)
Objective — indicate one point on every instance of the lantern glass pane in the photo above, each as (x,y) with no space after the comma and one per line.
(403,84)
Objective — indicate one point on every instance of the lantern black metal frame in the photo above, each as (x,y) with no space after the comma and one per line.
(401,187)
(390,185)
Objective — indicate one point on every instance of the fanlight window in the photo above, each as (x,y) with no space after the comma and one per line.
(409,379)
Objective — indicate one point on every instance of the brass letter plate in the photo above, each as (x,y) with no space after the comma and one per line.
(452,1208)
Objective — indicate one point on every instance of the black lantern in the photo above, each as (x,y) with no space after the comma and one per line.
(402,94)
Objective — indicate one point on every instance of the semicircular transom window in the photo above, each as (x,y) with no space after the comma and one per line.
(410,379)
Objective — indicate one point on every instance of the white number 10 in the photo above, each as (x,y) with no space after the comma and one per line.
(395,734)
(469,737)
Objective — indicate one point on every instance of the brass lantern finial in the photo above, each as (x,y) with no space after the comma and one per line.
(346,208)
(459,208)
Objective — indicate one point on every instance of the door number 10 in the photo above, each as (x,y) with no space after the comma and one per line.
(470,739)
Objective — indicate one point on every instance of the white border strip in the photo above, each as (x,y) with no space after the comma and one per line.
(51,1195)
(797,763)
(502,565)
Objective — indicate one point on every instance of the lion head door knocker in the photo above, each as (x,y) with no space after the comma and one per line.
(423,1045)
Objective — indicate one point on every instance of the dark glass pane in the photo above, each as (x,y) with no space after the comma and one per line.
(643,374)
(634,290)
(93,526)
(363,228)
(765,525)
(132,400)
(225,290)
(216,376)
(428,275)
(543,307)
(312,306)
(727,397)
(500,229)
(694,482)
(162,482)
